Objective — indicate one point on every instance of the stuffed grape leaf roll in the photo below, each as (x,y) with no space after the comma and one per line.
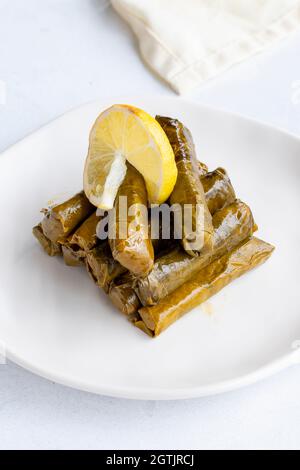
(130,243)
(206,283)
(102,267)
(60,221)
(194,221)
(232,225)
(52,249)
(123,295)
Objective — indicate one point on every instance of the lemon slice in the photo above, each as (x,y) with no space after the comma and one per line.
(122,133)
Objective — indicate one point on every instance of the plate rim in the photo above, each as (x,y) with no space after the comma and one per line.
(124,99)
(162,394)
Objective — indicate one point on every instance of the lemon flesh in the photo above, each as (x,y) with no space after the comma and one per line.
(125,133)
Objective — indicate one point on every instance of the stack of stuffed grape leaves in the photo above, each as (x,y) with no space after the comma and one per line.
(154,280)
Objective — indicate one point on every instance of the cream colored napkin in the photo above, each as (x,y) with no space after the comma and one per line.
(189,41)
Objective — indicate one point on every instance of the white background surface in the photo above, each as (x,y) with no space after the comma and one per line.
(55,55)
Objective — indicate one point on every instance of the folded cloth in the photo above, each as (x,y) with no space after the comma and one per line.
(189,41)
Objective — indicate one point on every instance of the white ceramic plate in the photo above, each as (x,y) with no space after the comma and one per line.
(56,323)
